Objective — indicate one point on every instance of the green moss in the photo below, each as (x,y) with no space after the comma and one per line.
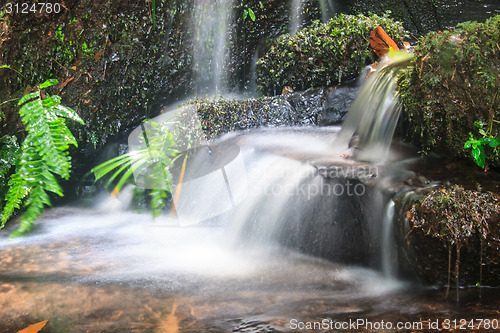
(323,54)
(450,234)
(219,116)
(113,65)
(453,84)
(455,215)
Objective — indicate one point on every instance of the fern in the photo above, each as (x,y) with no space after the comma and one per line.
(44,155)
(8,153)
(150,165)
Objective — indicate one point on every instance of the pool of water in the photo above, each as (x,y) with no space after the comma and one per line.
(103,271)
(104,268)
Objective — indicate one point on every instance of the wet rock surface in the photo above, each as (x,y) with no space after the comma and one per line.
(422,16)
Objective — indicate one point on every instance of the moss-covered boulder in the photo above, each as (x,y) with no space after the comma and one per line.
(115,64)
(219,115)
(451,89)
(450,232)
(323,55)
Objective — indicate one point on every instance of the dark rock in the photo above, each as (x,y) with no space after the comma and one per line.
(423,16)
(338,101)
(220,115)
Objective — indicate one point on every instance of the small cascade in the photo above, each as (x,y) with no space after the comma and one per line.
(373,116)
(211,22)
(296,16)
(328,9)
(388,245)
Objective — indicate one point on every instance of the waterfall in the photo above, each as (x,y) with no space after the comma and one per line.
(211,22)
(296,22)
(388,245)
(296,16)
(328,9)
(373,116)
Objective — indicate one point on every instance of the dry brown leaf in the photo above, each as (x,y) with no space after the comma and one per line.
(381,42)
(98,56)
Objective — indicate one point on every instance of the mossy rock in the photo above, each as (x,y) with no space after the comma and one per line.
(219,115)
(323,54)
(451,89)
(438,224)
(114,65)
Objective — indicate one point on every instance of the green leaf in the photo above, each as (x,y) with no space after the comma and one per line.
(63,111)
(245,14)
(103,169)
(479,156)
(492,142)
(252,14)
(27,97)
(43,155)
(48,83)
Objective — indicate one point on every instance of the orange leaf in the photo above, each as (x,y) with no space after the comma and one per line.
(381,42)
(35,328)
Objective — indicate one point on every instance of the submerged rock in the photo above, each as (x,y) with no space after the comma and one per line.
(450,232)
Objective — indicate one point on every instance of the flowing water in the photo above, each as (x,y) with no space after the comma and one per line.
(278,230)
(296,16)
(104,269)
(328,9)
(211,22)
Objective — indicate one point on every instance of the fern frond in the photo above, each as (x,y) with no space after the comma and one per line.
(103,169)
(18,190)
(35,203)
(66,112)
(27,97)
(44,154)
(157,202)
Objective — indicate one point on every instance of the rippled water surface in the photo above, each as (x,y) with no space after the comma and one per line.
(104,269)
(96,271)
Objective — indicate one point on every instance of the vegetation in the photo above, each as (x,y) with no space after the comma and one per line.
(42,156)
(114,63)
(478,153)
(451,87)
(151,164)
(323,54)
(453,227)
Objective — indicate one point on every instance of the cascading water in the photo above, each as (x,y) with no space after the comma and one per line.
(328,9)
(296,16)
(296,21)
(102,270)
(373,116)
(211,23)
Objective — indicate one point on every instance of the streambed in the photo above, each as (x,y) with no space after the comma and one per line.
(88,271)
(106,269)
